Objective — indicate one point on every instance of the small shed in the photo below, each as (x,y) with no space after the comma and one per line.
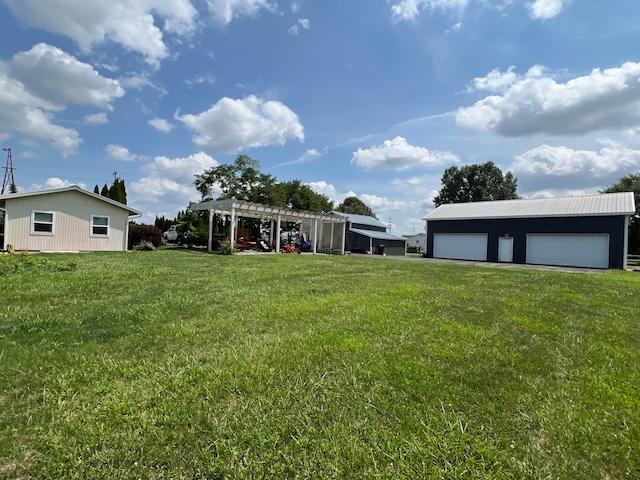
(366,233)
(64,220)
(584,231)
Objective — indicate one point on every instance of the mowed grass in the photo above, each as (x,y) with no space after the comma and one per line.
(178,364)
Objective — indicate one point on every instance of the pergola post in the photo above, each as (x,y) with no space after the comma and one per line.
(344,235)
(331,241)
(234,233)
(315,235)
(278,237)
(271,233)
(210,243)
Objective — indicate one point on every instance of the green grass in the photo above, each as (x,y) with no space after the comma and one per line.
(179,364)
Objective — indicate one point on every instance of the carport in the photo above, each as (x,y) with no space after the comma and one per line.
(326,231)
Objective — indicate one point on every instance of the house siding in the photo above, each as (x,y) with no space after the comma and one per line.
(73,211)
(518,228)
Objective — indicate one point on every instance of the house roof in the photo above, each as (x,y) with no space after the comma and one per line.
(360,219)
(72,188)
(581,206)
(377,235)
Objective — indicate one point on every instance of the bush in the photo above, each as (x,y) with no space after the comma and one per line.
(144,246)
(226,248)
(149,233)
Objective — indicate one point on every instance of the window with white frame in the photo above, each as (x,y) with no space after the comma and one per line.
(99,226)
(42,223)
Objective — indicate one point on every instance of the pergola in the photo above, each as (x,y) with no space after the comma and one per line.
(326,236)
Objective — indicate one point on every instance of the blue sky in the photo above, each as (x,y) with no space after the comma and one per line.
(374,98)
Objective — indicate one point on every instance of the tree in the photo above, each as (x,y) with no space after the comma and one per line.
(355,206)
(118,191)
(13,188)
(105,191)
(630,183)
(476,183)
(96,189)
(293,194)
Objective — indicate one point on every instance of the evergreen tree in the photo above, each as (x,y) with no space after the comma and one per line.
(13,188)
(96,190)
(105,191)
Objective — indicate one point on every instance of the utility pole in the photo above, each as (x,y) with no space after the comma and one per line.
(9,179)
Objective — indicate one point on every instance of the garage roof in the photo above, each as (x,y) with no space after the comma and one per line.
(260,211)
(378,235)
(361,219)
(581,206)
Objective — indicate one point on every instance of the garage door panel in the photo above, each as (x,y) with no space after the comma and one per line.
(460,246)
(579,250)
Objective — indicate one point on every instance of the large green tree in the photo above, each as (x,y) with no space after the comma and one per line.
(476,183)
(630,183)
(355,206)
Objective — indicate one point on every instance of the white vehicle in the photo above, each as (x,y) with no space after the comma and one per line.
(171,235)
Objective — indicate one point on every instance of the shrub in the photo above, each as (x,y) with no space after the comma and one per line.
(149,233)
(144,246)
(226,248)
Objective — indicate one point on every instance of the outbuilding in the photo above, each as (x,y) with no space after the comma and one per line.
(366,233)
(582,231)
(64,220)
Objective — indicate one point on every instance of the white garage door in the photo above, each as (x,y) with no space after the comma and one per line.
(460,246)
(568,250)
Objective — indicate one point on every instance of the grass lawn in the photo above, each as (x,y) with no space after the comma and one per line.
(179,364)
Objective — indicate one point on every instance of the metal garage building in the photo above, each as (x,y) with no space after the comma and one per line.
(369,234)
(585,231)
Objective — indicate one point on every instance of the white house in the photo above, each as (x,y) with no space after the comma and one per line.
(418,240)
(64,220)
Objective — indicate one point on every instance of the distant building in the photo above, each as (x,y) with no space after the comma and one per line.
(417,241)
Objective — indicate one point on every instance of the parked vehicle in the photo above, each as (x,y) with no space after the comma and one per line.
(172,234)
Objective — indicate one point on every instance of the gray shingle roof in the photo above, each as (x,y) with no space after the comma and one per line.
(587,205)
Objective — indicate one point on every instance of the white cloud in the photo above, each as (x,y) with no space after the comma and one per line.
(96,119)
(295,6)
(409,10)
(306,157)
(330,191)
(59,78)
(226,10)
(537,103)
(129,23)
(546,9)
(397,154)
(232,125)
(29,115)
(495,81)
(169,182)
(118,152)
(54,182)
(200,79)
(562,167)
(161,124)
(303,23)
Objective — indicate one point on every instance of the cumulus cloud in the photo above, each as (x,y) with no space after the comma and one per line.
(303,24)
(546,9)
(168,182)
(295,6)
(225,11)
(53,182)
(232,125)
(59,78)
(409,10)
(495,81)
(397,154)
(308,156)
(537,103)
(130,23)
(161,124)
(118,152)
(96,119)
(562,167)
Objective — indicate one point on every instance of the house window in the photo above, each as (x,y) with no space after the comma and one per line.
(42,223)
(99,226)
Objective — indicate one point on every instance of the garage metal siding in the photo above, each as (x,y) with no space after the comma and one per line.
(460,246)
(518,228)
(581,250)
